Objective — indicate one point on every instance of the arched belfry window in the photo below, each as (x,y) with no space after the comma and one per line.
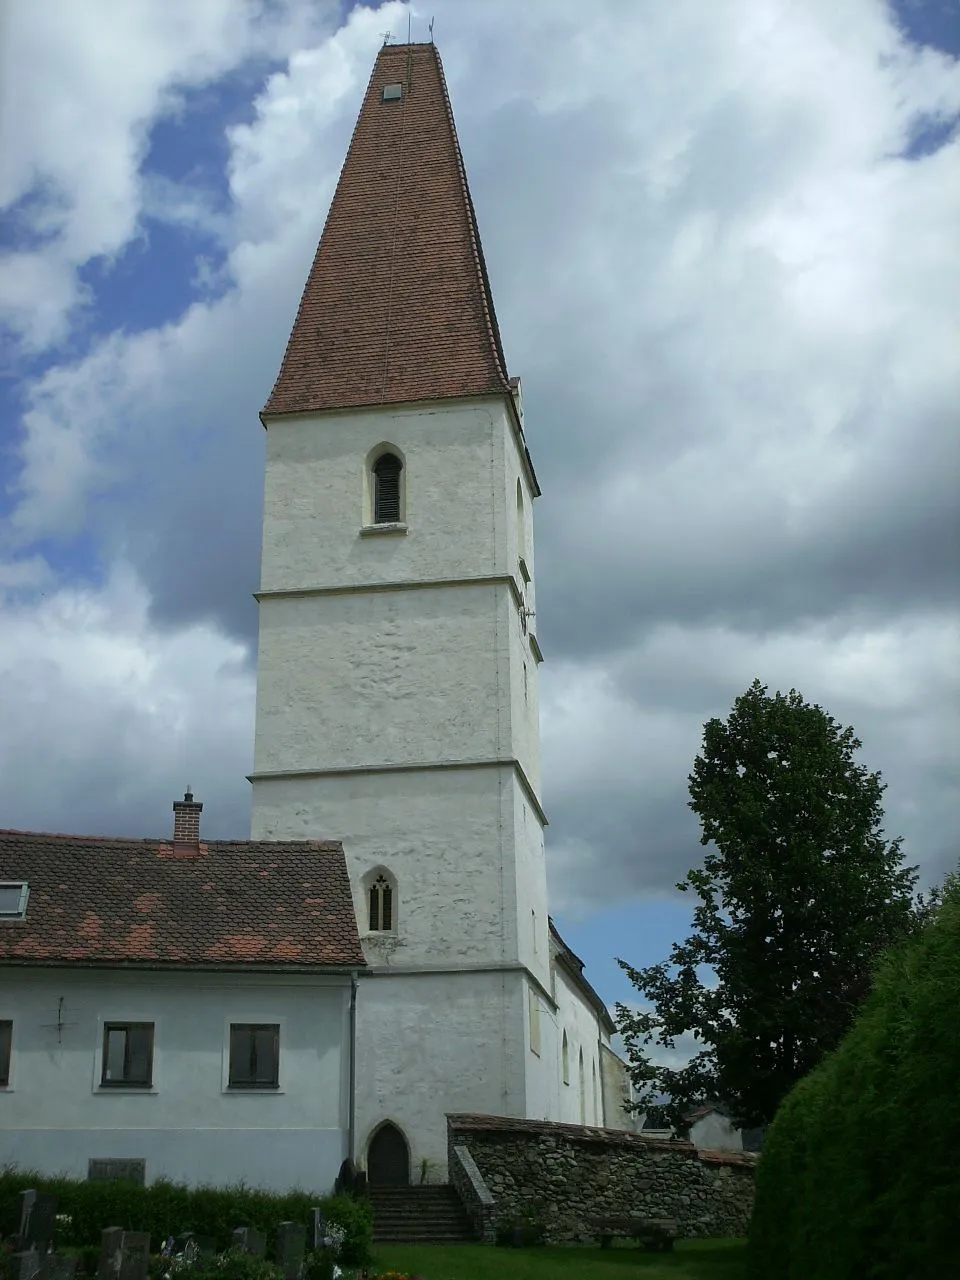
(387,471)
(381,905)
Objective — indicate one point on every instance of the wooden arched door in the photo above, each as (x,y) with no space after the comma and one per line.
(388,1158)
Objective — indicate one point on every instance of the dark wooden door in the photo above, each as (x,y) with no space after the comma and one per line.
(388,1158)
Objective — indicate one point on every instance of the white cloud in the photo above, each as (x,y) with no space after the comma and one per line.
(82,84)
(106,720)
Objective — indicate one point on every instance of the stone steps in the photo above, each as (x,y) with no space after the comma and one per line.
(419,1215)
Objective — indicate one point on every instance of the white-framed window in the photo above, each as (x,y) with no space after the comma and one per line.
(13,899)
(6,1052)
(380,901)
(126,1059)
(253,1055)
(126,1056)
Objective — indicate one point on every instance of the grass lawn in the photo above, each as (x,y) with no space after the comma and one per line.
(691,1260)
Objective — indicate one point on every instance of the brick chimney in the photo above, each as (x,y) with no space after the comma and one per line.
(186,822)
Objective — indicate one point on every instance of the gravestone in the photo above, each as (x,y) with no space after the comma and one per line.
(111,1245)
(25,1265)
(317,1230)
(134,1255)
(250,1241)
(291,1242)
(38,1219)
(113,1170)
(206,1246)
(55,1267)
(185,1244)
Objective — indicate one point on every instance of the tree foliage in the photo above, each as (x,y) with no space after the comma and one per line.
(859,1178)
(798,896)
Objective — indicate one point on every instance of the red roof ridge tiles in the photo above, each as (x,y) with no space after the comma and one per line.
(397,307)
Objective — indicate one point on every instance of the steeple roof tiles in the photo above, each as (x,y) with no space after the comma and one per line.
(397,307)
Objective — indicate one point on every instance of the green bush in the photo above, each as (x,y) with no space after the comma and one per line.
(860,1173)
(168,1208)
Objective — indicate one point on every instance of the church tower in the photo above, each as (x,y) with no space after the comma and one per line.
(397,703)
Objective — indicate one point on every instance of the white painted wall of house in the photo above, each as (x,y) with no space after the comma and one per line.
(188,1127)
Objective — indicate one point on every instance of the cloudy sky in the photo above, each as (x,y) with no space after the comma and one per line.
(723,246)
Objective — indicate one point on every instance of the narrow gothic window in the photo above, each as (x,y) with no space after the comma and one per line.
(381,905)
(386,489)
(565,1055)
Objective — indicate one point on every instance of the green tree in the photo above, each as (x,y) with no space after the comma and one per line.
(859,1175)
(798,896)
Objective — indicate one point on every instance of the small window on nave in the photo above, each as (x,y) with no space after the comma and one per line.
(381,905)
(565,1058)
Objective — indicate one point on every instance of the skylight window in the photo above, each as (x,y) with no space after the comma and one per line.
(392,92)
(13,899)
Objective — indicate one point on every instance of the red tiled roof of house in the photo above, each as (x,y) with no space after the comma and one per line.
(397,307)
(95,900)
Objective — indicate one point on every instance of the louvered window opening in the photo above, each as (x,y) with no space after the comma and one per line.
(386,489)
(381,905)
(254,1055)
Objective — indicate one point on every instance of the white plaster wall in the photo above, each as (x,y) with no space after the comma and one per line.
(430,1044)
(390,677)
(188,1126)
(715,1133)
(583,1031)
(617,1089)
(446,835)
(543,1069)
(455,508)
(531,886)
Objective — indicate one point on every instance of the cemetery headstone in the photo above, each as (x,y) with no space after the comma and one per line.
(291,1242)
(111,1245)
(55,1267)
(250,1241)
(317,1229)
(38,1219)
(25,1265)
(134,1255)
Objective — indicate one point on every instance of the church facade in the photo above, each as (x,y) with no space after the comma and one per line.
(398,664)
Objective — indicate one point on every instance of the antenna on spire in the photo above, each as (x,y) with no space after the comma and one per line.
(430,29)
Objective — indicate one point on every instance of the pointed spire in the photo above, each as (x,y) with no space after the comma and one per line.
(397,307)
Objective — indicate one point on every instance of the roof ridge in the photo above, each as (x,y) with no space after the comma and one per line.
(324,845)
(486,295)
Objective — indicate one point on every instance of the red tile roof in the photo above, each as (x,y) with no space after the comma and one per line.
(95,900)
(397,307)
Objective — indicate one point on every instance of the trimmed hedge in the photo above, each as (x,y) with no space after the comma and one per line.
(168,1208)
(860,1173)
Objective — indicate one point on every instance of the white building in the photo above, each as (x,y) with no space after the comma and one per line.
(175,1003)
(398,670)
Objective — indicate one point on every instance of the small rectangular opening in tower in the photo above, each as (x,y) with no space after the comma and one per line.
(392,92)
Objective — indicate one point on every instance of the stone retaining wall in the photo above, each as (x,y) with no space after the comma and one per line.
(564,1175)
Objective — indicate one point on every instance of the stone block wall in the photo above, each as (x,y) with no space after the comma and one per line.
(566,1175)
